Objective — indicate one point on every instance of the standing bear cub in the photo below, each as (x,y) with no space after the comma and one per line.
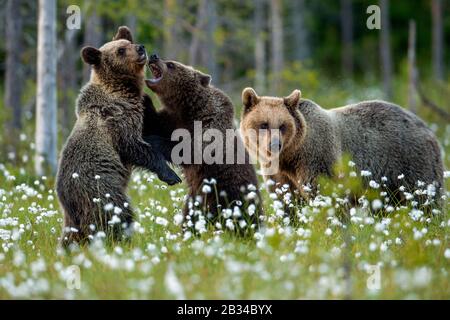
(106,143)
(191,102)
(393,144)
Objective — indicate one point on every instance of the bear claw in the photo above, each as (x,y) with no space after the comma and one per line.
(171,178)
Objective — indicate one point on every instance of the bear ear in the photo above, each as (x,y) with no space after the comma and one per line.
(91,55)
(123,33)
(249,98)
(293,99)
(205,79)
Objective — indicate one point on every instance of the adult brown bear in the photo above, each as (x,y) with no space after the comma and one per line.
(106,143)
(188,98)
(393,145)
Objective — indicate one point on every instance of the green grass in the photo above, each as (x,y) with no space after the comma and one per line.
(282,261)
(295,261)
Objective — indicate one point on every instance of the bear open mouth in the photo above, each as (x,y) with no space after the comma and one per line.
(156,72)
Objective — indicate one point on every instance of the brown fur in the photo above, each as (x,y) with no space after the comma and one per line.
(187,96)
(106,141)
(380,137)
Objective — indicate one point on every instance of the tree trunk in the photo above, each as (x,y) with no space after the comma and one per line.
(277,61)
(30,20)
(46,137)
(14,71)
(202,49)
(260,46)
(209,45)
(347,37)
(412,70)
(200,23)
(438,39)
(92,34)
(131,22)
(301,46)
(170,32)
(385,49)
(67,75)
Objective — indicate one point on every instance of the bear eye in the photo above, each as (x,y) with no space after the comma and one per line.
(121,51)
(283,128)
(264,126)
(170,65)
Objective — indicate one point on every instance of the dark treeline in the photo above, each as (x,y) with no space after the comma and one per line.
(273,45)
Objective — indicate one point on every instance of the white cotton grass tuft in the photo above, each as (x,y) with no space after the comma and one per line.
(161,221)
(114,220)
(447,253)
(373,184)
(377,204)
(206,189)
(229,224)
(108,207)
(173,284)
(178,219)
(365,173)
(251,195)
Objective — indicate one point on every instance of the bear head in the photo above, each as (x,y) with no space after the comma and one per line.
(121,59)
(174,79)
(271,126)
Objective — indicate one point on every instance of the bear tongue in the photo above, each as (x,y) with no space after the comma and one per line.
(156,72)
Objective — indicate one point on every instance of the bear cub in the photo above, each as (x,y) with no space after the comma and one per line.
(188,98)
(106,143)
(392,143)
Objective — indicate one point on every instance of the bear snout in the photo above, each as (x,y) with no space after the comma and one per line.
(140,48)
(154,58)
(275,145)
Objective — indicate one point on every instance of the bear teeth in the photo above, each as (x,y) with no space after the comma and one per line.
(156,72)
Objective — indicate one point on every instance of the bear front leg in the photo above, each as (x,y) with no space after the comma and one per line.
(163,145)
(141,154)
(159,123)
(157,128)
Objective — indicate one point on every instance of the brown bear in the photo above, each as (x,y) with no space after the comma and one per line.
(188,101)
(106,143)
(393,146)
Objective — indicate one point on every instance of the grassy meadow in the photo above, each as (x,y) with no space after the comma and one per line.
(332,250)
